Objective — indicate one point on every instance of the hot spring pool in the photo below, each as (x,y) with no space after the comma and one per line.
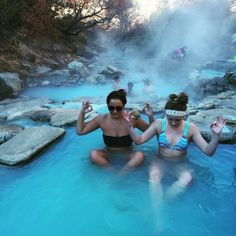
(61,193)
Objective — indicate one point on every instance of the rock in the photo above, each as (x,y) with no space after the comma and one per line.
(22,107)
(27,143)
(101,79)
(231,78)
(8,131)
(53,78)
(219,65)
(110,71)
(68,116)
(10,85)
(204,118)
(86,51)
(64,117)
(42,115)
(76,67)
(91,80)
(3,118)
(202,88)
(45,83)
(42,70)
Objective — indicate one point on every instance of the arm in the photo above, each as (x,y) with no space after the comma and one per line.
(81,126)
(141,124)
(139,139)
(209,148)
(149,112)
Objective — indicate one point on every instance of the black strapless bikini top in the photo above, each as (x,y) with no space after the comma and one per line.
(123,141)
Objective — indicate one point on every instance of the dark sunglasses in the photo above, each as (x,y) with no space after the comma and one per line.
(112,108)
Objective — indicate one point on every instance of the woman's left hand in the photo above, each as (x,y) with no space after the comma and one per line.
(218,125)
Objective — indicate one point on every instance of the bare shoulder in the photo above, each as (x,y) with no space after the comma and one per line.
(101,118)
(158,125)
(193,129)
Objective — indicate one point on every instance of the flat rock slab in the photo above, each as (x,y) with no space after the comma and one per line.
(63,117)
(28,143)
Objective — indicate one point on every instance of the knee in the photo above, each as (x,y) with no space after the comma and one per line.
(139,157)
(155,174)
(185,178)
(94,156)
(98,158)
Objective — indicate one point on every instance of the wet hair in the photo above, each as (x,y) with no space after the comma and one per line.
(177,102)
(120,94)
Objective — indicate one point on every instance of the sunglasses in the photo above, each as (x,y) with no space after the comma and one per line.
(112,108)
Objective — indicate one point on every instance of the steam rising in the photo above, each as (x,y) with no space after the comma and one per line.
(203,26)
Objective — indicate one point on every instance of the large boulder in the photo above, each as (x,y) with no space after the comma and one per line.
(10,85)
(203,119)
(110,71)
(76,67)
(202,88)
(27,143)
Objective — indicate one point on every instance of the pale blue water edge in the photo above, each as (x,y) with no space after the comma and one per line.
(61,193)
(67,93)
(163,87)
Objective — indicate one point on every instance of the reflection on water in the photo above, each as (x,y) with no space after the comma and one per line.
(61,193)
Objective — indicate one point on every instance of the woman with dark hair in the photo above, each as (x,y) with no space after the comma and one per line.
(174,135)
(115,132)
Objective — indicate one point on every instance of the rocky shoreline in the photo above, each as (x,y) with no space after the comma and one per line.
(49,118)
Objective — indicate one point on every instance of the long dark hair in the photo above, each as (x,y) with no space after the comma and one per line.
(120,94)
(177,102)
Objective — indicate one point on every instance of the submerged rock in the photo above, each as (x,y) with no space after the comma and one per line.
(27,143)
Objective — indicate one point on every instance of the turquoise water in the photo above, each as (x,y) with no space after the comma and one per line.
(61,193)
(211,73)
(67,93)
(162,87)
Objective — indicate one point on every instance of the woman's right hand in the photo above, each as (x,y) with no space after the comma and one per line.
(148,110)
(128,118)
(86,107)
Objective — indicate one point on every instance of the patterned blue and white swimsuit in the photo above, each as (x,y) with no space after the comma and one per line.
(181,145)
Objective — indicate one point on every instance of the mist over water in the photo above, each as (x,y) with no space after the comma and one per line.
(203,27)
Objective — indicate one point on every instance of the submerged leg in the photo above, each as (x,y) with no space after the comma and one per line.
(179,186)
(99,158)
(136,159)
(156,195)
(155,176)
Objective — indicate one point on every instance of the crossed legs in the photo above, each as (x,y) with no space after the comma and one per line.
(100,158)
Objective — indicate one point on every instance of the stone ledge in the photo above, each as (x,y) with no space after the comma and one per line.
(28,143)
